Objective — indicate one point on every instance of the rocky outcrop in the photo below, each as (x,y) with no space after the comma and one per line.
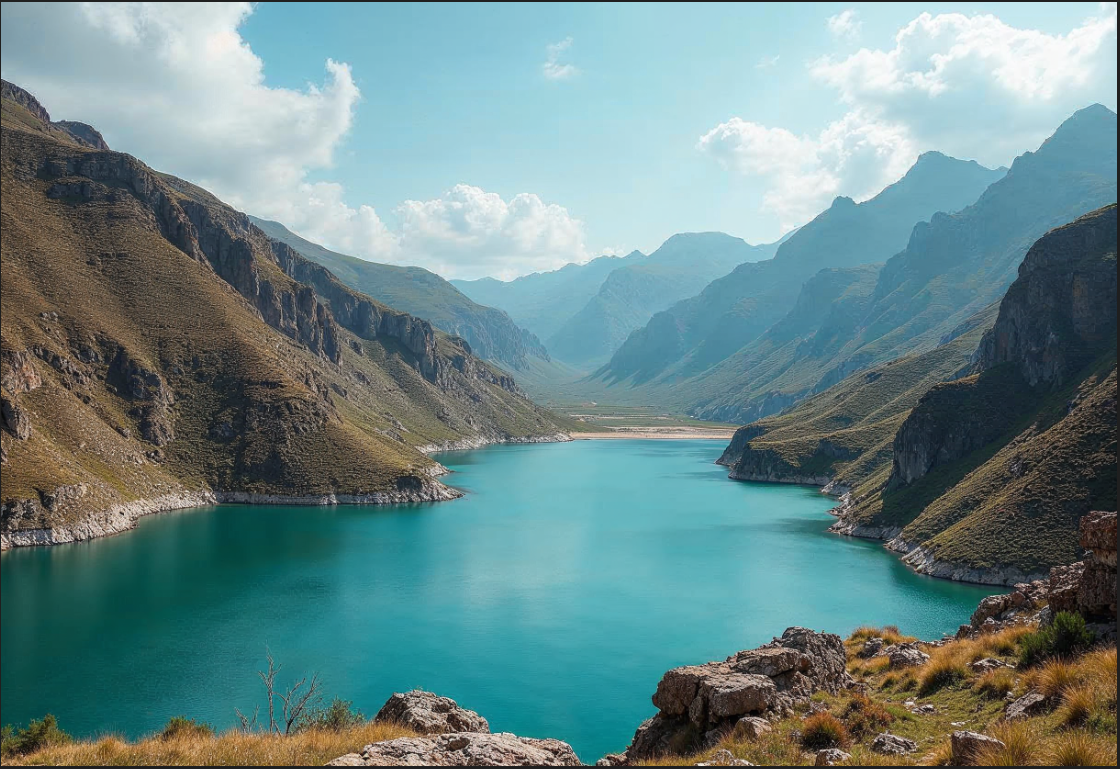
(466,749)
(429,713)
(700,703)
(1021,605)
(1089,587)
(1062,308)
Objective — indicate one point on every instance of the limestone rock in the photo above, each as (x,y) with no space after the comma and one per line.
(711,699)
(988,664)
(725,758)
(892,745)
(906,655)
(612,759)
(967,747)
(1030,704)
(752,728)
(872,647)
(463,749)
(15,418)
(1065,582)
(429,713)
(831,757)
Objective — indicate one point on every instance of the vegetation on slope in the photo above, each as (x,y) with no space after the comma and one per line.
(927,704)
(489,332)
(846,433)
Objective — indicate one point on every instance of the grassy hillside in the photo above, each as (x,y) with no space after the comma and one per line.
(700,332)
(846,433)
(155,343)
(489,332)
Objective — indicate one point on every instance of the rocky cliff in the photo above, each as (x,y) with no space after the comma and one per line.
(991,473)
(160,351)
(489,333)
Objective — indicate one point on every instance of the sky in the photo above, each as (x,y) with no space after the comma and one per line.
(506,139)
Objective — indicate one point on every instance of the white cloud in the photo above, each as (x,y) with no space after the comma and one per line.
(969,86)
(845,25)
(975,86)
(177,86)
(469,232)
(552,68)
(767,62)
(853,156)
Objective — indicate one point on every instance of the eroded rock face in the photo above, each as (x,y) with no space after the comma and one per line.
(698,703)
(463,749)
(429,713)
(1089,587)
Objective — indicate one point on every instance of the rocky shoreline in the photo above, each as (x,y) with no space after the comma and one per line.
(122,517)
(479,441)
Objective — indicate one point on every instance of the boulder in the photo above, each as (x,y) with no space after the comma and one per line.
(429,713)
(752,728)
(612,759)
(1030,704)
(905,655)
(967,747)
(697,704)
(988,664)
(463,749)
(872,647)
(1096,596)
(892,745)
(1065,582)
(831,757)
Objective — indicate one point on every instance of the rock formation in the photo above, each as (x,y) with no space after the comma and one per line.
(463,749)
(1089,587)
(429,713)
(699,703)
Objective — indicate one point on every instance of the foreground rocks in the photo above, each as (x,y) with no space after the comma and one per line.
(463,749)
(969,746)
(429,713)
(700,703)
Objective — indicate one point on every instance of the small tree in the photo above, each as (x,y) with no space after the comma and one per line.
(295,702)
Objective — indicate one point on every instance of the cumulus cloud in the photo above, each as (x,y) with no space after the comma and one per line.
(845,25)
(552,68)
(970,86)
(177,86)
(853,156)
(469,232)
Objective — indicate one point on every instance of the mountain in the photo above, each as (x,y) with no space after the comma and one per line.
(489,332)
(543,301)
(158,350)
(952,267)
(984,475)
(700,332)
(631,294)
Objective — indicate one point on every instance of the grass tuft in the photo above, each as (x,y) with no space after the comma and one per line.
(824,730)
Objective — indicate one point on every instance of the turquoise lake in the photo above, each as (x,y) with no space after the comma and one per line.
(550,599)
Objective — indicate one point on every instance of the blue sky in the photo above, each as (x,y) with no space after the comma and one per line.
(462,153)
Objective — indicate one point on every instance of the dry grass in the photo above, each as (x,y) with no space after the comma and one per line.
(1022,745)
(234,748)
(824,730)
(996,684)
(1081,749)
(947,665)
(889,633)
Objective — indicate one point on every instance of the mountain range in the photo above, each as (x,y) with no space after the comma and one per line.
(159,350)
(951,268)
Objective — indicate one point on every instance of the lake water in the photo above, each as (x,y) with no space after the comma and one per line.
(550,599)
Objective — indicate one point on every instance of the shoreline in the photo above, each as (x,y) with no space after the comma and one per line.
(656,434)
(122,517)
